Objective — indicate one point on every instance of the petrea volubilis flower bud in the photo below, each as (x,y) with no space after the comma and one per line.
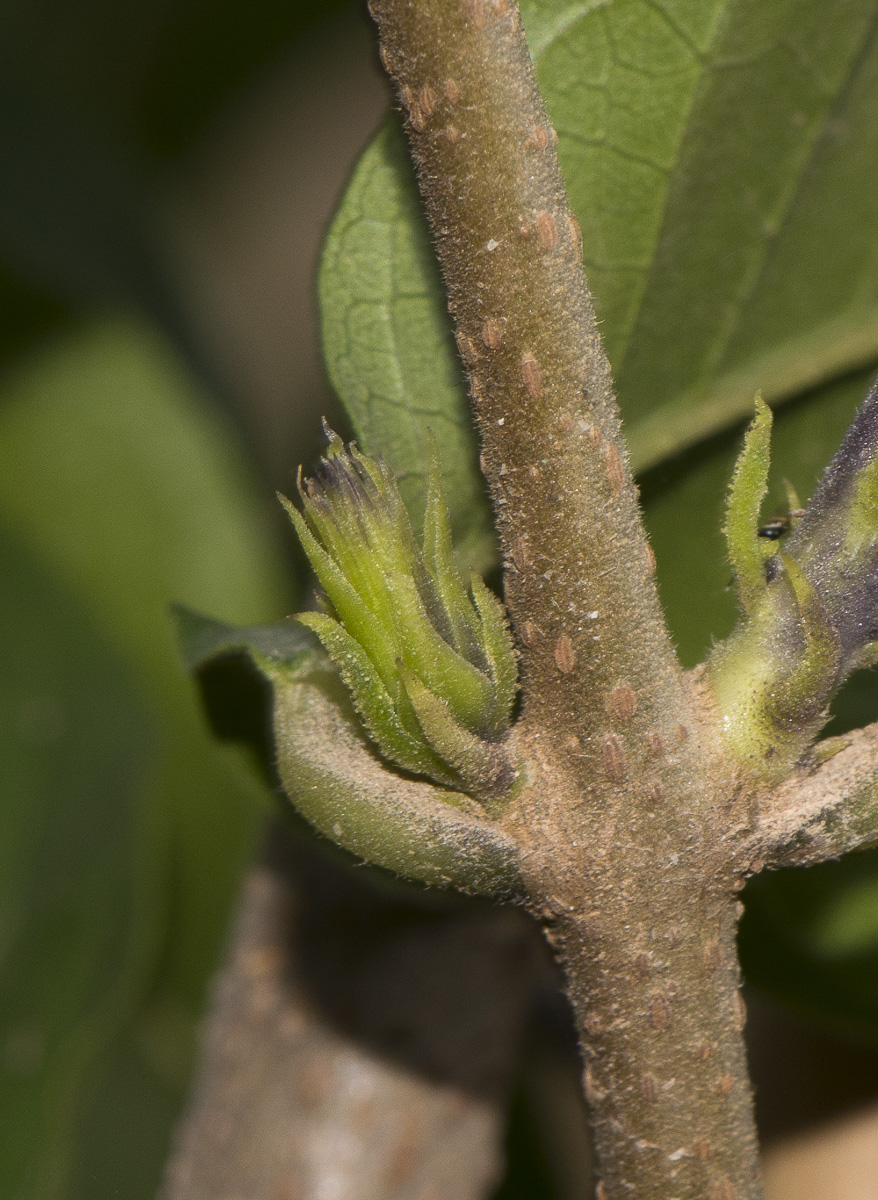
(836,541)
(430,665)
(809,601)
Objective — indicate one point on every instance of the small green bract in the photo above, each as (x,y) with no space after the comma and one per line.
(429,664)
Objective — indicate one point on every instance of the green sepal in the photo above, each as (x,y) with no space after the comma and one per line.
(375,707)
(422,648)
(794,504)
(346,603)
(485,768)
(823,751)
(775,675)
(411,827)
(811,612)
(746,493)
(496,638)
(816,665)
(455,606)
(381,606)
(865,657)
(861,524)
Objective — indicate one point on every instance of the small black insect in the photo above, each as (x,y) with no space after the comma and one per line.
(778,526)
(774,530)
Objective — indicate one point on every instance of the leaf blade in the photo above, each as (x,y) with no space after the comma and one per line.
(388,345)
(707,148)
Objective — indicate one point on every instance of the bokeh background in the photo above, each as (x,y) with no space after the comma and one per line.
(169,168)
(168,172)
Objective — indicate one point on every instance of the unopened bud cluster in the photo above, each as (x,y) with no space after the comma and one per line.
(809,600)
(429,664)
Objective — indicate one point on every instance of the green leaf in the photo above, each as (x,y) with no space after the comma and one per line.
(720,157)
(204,639)
(763,267)
(117,475)
(388,344)
(76,740)
(112,461)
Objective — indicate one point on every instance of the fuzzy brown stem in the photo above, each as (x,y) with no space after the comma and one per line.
(822,811)
(578,568)
(654,983)
(638,898)
(627,855)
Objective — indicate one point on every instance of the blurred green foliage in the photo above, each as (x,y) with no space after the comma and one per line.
(156,71)
(76,876)
(124,826)
(128,495)
(721,159)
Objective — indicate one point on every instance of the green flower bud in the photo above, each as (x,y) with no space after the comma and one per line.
(810,607)
(429,664)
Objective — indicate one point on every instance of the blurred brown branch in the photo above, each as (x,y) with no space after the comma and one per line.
(359,1045)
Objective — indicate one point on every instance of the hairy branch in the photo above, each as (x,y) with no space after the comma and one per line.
(616,749)
(578,568)
(821,812)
